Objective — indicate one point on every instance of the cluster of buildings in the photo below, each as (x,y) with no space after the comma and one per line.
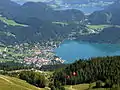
(36,55)
(42,56)
(37,61)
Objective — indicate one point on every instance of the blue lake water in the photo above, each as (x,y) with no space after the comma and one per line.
(71,50)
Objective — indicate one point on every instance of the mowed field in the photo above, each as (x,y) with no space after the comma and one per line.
(77,87)
(86,87)
(11,83)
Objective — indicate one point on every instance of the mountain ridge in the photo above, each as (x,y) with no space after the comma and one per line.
(75,4)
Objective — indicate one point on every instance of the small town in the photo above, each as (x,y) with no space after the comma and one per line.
(36,55)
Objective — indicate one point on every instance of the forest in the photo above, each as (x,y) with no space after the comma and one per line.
(100,69)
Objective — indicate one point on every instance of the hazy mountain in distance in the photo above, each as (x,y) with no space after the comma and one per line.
(39,10)
(86,6)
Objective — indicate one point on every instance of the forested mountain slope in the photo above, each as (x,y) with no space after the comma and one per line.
(109,15)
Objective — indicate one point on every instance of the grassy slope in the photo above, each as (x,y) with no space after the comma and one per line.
(10,22)
(10,83)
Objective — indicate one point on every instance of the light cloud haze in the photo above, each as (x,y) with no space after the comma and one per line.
(31,0)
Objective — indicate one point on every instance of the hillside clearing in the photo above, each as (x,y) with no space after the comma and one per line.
(10,22)
(102,26)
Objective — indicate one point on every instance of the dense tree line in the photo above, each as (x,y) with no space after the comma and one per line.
(9,66)
(105,69)
(34,78)
(52,67)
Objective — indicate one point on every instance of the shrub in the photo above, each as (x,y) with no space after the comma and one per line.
(108,84)
(62,88)
(98,84)
(53,88)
